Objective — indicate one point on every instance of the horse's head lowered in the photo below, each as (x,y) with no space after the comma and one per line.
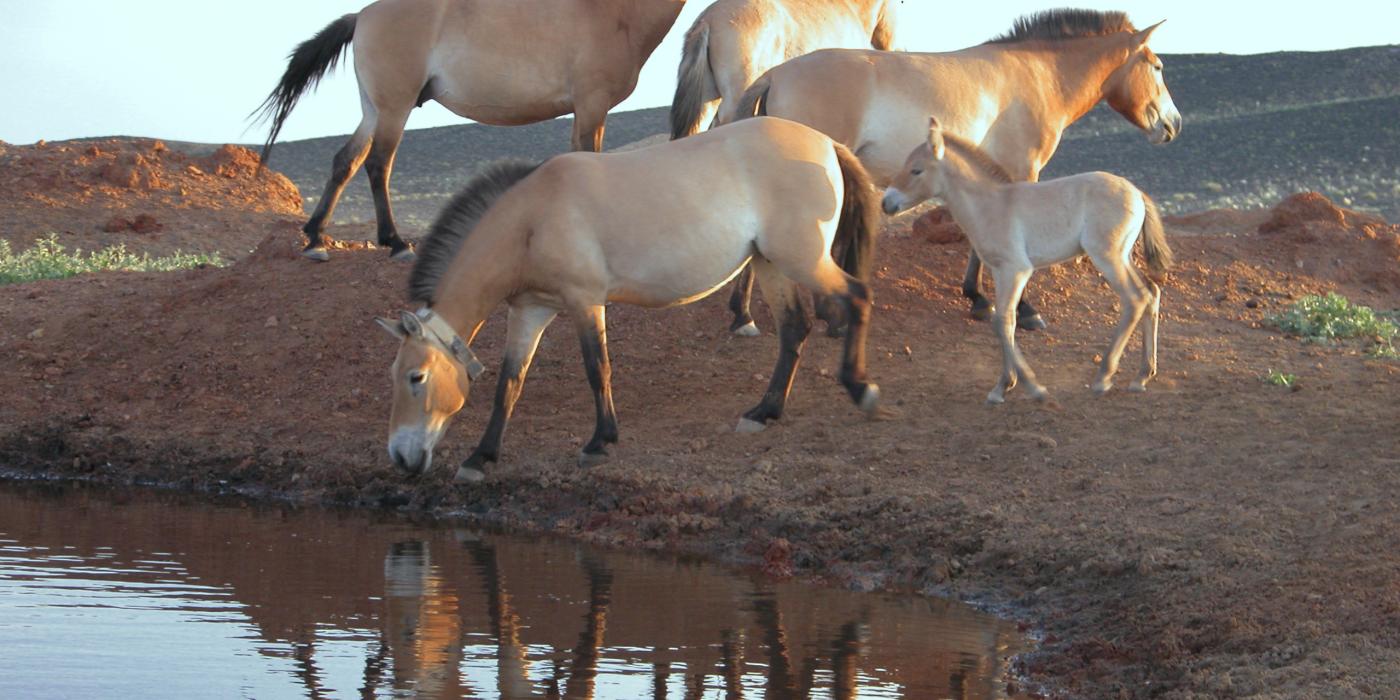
(432,377)
(1137,91)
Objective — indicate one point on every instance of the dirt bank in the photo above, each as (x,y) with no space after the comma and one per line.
(1217,536)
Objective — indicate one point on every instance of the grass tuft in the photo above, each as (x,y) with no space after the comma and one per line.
(1278,378)
(48,260)
(1333,317)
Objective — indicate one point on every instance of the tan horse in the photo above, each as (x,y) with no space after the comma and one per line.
(733,42)
(504,62)
(586,229)
(1017,227)
(1014,96)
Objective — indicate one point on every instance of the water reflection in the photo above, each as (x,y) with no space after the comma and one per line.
(197,601)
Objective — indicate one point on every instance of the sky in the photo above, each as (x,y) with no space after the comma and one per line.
(192,71)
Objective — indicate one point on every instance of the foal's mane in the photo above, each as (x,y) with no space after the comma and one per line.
(977,157)
(457,220)
(1056,25)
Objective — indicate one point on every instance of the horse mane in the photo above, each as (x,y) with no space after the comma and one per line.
(457,220)
(1057,25)
(979,158)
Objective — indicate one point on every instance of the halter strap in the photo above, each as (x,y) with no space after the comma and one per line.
(445,336)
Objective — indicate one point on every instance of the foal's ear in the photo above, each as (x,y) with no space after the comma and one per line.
(935,138)
(392,327)
(1140,39)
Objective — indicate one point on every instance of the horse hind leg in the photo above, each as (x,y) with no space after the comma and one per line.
(739,302)
(347,161)
(1133,300)
(593,340)
(379,166)
(790,316)
(1149,338)
(525,324)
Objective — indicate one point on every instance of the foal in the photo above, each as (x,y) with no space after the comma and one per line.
(1017,227)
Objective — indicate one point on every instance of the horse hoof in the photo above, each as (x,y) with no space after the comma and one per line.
(870,400)
(983,313)
(995,399)
(748,427)
(836,331)
(468,475)
(1137,387)
(1031,323)
(317,254)
(591,459)
(1102,388)
(403,255)
(748,330)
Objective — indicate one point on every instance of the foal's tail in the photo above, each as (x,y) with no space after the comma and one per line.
(860,216)
(754,102)
(1154,240)
(308,63)
(695,82)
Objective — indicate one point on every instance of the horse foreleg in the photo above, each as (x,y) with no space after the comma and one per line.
(793,327)
(347,161)
(739,301)
(1010,285)
(593,339)
(379,165)
(524,325)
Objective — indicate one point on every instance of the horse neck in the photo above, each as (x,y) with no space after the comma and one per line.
(652,18)
(969,189)
(484,273)
(1082,68)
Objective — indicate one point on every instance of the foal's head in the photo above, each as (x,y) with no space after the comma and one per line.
(926,171)
(1137,91)
(432,377)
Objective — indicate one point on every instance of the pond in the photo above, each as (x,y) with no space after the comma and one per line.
(140,594)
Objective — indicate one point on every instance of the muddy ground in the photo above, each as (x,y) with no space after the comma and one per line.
(1217,536)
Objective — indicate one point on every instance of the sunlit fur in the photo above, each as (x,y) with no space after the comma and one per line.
(428,388)
(1017,227)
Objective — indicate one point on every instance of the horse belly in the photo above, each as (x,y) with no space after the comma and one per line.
(677,265)
(504,90)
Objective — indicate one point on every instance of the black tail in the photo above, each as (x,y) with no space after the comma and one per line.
(694,83)
(308,63)
(754,102)
(860,216)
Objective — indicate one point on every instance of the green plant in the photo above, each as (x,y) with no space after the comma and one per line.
(1333,317)
(47,259)
(1278,378)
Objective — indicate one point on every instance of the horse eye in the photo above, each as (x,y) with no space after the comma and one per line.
(916,172)
(417,377)
(1158,67)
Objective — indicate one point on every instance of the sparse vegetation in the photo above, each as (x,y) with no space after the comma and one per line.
(47,259)
(1278,378)
(1333,317)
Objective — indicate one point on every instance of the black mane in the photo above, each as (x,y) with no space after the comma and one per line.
(1055,25)
(456,222)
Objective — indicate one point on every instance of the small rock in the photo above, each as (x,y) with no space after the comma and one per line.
(1252,304)
(271,322)
(36,334)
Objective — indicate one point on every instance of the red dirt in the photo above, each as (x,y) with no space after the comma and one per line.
(1216,536)
(937,226)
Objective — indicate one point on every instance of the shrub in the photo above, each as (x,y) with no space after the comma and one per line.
(1333,318)
(47,259)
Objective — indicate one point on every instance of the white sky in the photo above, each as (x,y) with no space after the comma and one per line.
(193,69)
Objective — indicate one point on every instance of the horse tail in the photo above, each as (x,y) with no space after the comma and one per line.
(695,83)
(754,102)
(307,64)
(1154,240)
(860,216)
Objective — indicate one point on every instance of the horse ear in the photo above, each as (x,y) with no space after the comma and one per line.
(393,328)
(935,138)
(410,323)
(1140,39)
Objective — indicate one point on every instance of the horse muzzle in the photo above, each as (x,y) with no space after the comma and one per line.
(893,202)
(1166,129)
(411,451)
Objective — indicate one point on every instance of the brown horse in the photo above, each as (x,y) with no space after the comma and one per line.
(586,229)
(505,62)
(733,42)
(1014,96)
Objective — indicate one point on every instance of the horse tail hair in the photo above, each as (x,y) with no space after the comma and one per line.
(1154,240)
(754,102)
(695,83)
(860,216)
(307,64)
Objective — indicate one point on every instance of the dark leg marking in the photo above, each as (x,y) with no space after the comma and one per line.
(507,393)
(858,303)
(982,307)
(594,342)
(379,166)
(793,328)
(347,161)
(740,298)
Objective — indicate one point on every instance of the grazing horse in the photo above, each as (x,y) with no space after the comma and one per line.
(584,229)
(1017,227)
(733,42)
(503,62)
(1014,96)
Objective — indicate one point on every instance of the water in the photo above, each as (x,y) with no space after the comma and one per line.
(119,595)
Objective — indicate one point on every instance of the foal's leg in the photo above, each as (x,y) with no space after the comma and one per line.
(1010,285)
(1149,338)
(347,161)
(793,326)
(379,166)
(593,339)
(1133,299)
(524,325)
(739,300)
(1027,318)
